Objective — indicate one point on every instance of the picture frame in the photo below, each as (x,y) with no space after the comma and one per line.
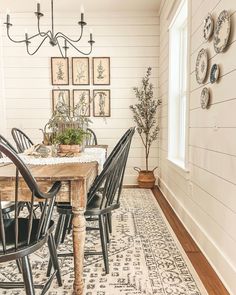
(101,103)
(60,95)
(82,96)
(101,70)
(60,70)
(80,71)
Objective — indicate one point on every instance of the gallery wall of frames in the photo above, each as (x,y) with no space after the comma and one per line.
(82,72)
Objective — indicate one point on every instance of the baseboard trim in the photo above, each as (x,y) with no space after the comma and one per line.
(203,239)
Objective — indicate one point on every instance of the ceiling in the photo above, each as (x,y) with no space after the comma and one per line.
(89,5)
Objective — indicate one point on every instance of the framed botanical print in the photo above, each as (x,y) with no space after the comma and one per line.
(101,103)
(81,101)
(60,70)
(101,70)
(61,100)
(80,70)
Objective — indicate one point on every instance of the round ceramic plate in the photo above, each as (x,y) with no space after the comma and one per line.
(208,27)
(215,72)
(205,98)
(201,66)
(222,31)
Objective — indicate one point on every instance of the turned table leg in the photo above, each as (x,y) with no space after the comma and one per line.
(79,231)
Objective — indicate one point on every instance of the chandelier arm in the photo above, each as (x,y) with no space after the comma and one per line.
(84,53)
(43,34)
(61,35)
(59,46)
(32,53)
(20,41)
(15,41)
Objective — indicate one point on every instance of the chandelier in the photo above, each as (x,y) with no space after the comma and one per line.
(55,39)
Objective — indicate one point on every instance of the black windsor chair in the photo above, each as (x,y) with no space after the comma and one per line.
(22,236)
(91,138)
(23,142)
(7,206)
(103,197)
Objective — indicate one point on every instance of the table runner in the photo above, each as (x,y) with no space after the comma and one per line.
(89,155)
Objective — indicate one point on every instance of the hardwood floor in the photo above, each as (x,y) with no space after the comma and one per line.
(206,273)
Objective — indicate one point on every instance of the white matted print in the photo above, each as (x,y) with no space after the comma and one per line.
(81,101)
(101,103)
(101,70)
(61,100)
(80,70)
(60,70)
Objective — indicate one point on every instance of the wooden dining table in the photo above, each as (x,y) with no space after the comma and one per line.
(76,180)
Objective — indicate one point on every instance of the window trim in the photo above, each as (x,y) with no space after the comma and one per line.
(182,165)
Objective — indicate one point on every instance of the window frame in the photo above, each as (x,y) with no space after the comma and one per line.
(178,149)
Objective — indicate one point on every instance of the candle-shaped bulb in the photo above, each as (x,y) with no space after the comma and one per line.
(91,34)
(38,6)
(82,13)
(8,16)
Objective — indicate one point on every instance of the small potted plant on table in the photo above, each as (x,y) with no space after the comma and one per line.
(70,140)
(144,115)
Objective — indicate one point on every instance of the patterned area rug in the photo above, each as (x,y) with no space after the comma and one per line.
(144,254)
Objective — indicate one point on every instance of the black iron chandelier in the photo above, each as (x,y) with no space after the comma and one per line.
(54,38)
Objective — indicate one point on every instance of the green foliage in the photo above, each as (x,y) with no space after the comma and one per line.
(71,136)
(144,113)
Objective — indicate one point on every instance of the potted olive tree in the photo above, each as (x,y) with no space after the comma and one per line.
(145,117)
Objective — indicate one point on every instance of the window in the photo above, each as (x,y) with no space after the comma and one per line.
(178,57)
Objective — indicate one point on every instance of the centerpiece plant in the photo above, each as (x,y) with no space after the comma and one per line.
(67,127)
(145,117)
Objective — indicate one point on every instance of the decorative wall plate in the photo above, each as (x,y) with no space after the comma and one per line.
(208,27)
(215,72)
(222,31)
(201,66)
(205,98)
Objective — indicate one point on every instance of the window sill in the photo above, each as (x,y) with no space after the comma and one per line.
(179,166)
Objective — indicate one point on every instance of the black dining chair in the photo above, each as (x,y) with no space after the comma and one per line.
(20,235)
(91,138)
(7,206)
(22,141)
(103,197)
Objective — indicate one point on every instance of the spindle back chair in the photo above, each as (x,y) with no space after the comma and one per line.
(21,235)
(23,142)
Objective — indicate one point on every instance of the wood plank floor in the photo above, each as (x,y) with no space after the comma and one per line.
(206,273)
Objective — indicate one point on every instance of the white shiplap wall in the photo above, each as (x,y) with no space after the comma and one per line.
(132,42)
(205,197)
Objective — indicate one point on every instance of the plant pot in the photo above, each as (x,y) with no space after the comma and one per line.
(70,149)
(146,179)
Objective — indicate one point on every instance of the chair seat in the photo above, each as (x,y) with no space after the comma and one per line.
(22,232)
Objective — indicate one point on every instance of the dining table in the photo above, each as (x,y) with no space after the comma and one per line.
(76,178)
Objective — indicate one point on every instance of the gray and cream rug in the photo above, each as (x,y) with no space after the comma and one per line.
(144,254)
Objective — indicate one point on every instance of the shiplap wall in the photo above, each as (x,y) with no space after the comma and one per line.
(204,197)
(132,42)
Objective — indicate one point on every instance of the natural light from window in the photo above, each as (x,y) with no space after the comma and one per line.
(178,86)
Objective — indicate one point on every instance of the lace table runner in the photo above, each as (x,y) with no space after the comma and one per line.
(89,155)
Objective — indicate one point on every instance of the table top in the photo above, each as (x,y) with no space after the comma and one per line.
(65,171)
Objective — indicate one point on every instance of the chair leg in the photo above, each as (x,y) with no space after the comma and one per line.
(107,229)
(65,228)
(109,221)
(58,233)
(54,258)
(27,276)
(70,225)
(18,262)
(104,242)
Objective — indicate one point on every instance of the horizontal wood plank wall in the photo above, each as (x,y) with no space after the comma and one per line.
(132,42)
(205,197)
